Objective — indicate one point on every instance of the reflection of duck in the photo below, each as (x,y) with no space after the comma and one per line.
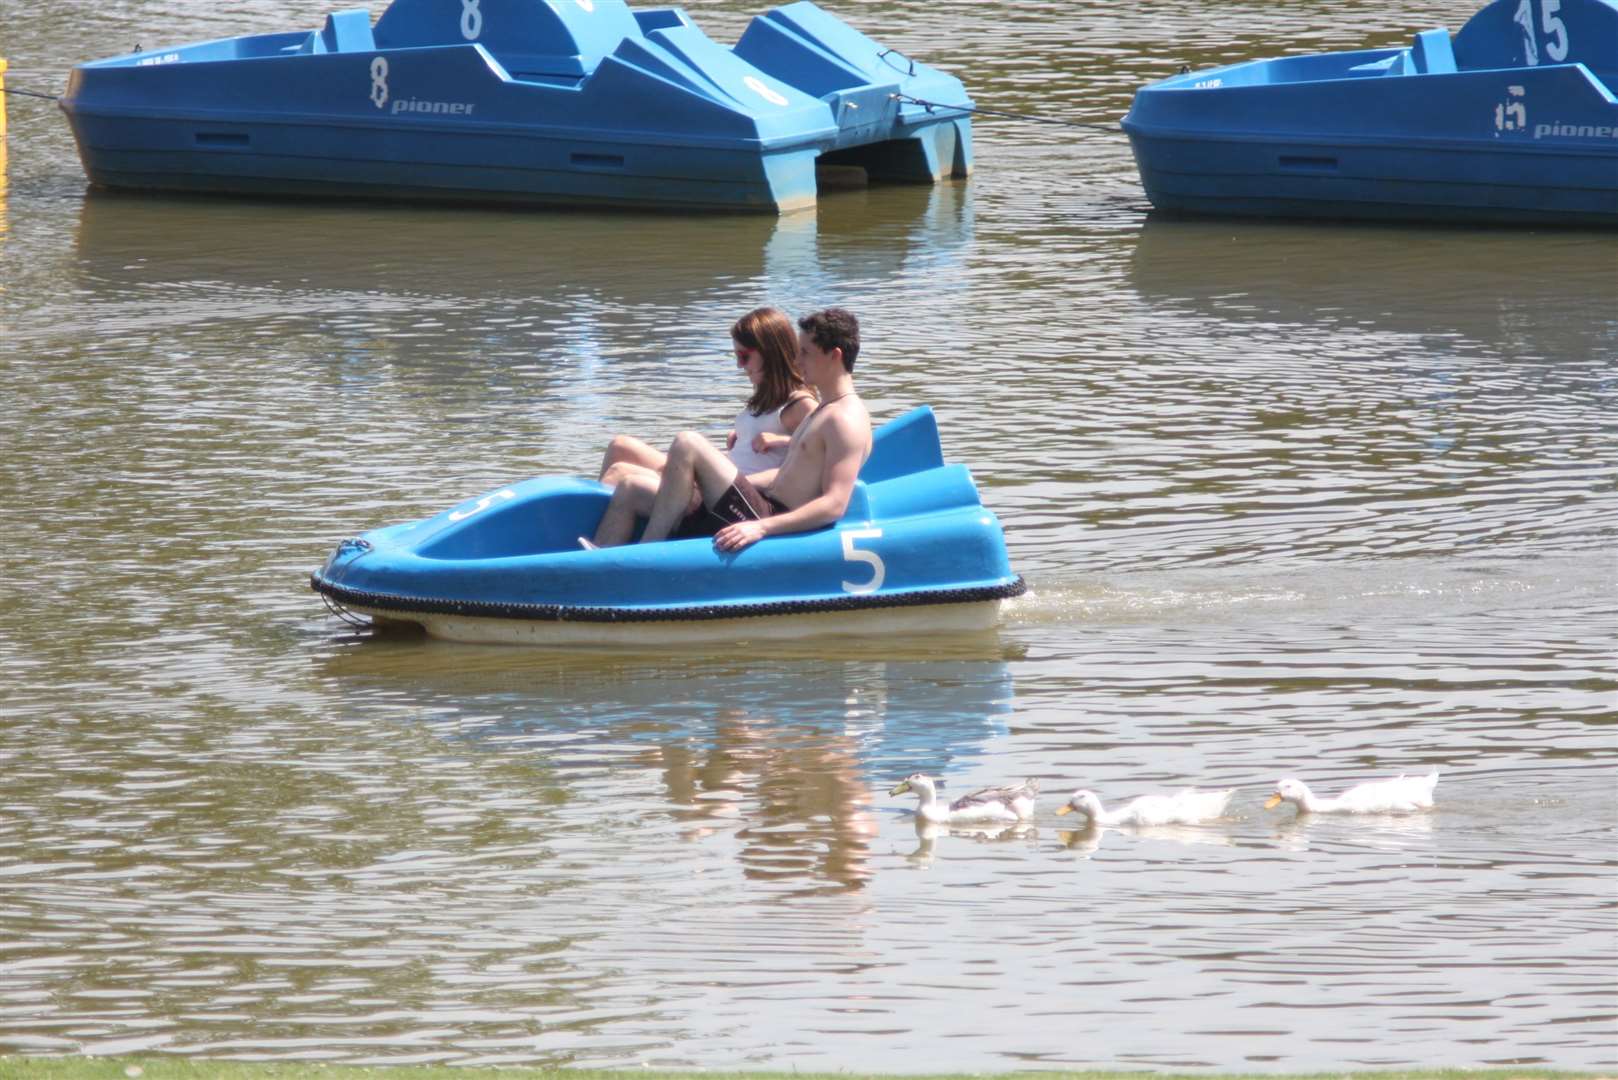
(997,804)
(1083,842)
(1401,794)
(1182,808)
(1087,841)
(986,832)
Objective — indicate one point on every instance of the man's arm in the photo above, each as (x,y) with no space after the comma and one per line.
(845,453)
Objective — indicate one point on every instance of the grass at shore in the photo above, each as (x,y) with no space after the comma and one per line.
(86,1068)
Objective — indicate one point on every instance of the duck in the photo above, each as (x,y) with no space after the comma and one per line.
(1399,795)
(1187,807)
(1007,804)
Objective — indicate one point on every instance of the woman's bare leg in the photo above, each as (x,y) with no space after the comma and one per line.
(628,450)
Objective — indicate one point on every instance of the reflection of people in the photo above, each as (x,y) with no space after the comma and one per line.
(760,774)
(766,350)
(810,489)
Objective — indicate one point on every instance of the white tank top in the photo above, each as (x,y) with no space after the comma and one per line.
(747,426)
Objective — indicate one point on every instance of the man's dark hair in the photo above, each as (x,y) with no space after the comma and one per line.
(834,328)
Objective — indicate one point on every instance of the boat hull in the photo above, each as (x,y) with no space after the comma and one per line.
(915,552)
(1201,175)
(592,105)
(1478,128)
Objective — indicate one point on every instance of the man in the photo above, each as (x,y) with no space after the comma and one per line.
(810,489)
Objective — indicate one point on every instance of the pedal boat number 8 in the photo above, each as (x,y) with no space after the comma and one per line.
(916,552)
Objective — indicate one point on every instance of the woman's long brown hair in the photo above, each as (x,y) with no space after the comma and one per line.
(771,332)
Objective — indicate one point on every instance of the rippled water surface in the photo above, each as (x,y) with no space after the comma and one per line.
(1293,499)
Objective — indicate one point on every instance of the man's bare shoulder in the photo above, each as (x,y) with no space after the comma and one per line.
(857,420)
(849,430)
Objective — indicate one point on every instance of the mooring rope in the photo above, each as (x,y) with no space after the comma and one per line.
(344,614)
(29,93)
(1030,117)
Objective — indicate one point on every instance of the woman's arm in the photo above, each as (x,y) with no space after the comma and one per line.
(795,412)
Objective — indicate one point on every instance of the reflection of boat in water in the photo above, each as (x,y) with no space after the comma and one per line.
(589,294)
(521,101)
(492,256)
(916,552)
(775,747)
(423,251)
(1513,120)
(1481,285)
(938,707)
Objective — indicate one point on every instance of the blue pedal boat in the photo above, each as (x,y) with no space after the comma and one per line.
(521,101)
(916,552)
(1513,120)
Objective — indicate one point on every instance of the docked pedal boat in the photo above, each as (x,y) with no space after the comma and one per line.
(1512,120)
(915,552)
(512,101)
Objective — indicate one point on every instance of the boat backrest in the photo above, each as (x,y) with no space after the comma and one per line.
(1531,33)
(345,31)
(906,444)
(818,53)
(948,487)
(530,38)
(1432,53)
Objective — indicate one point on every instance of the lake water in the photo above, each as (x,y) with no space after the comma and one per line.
(1334,502)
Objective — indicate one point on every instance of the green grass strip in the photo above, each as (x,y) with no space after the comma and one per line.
(86,1068)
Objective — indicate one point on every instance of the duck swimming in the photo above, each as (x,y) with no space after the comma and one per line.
(1186,807)
(1400,795)
(1005,804)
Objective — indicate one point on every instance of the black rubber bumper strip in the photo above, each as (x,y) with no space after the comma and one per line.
(485,609)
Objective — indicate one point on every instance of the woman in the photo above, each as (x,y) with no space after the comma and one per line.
(766,347)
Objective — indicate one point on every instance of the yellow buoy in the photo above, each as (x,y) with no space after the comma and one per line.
(2,97)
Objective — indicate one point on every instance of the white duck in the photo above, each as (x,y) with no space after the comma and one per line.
(1400,795)
(1005,804)
(1186,807)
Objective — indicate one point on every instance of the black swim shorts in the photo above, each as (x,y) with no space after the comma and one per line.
(740,502)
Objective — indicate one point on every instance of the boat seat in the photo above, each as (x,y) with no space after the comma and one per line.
(1433,54)
(1397,64)
(530,38)
(345,31)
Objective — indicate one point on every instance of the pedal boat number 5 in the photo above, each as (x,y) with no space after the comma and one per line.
(915,552)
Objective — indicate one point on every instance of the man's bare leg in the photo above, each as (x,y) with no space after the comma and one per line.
(692,460)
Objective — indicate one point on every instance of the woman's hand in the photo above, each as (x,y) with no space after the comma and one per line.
(730,440)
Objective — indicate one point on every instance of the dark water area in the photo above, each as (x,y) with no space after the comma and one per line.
(1313,500)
